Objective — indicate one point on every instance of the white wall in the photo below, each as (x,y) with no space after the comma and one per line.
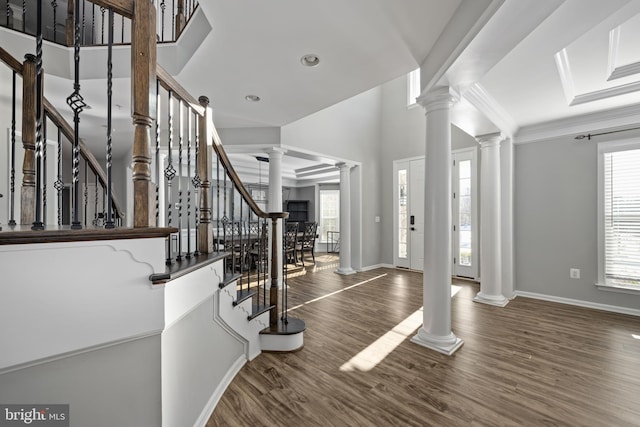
(350,130)
(555,198)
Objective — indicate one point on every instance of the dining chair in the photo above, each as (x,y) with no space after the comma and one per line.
(308,240)
(290,240)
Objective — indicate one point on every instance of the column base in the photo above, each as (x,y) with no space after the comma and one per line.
(345,271)
(442,344)
(496,300)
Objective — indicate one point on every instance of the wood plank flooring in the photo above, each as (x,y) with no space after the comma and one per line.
(532,363)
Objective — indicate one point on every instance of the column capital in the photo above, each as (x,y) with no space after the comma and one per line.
(344,165)
(490,139)
(276,152)
(438,98)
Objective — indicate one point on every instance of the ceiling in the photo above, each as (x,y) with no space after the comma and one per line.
(522,67)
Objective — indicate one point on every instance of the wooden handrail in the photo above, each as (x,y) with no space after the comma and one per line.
(95,166)
(11,62)
(121,7)
(65,128)
(169,83)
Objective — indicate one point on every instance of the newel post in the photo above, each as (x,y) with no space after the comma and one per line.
(28,189)
(205,226)
(143,87)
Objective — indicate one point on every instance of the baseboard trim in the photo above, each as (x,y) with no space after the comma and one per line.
(579,303)
(219,391)
(373,267)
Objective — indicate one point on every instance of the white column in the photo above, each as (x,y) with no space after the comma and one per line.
(436,332)
(275,201)
(345,219)
(490,224)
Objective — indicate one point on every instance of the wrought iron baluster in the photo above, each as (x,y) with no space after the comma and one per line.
(54,5)
(9,13)
(77,104)
(196,188)
(122,29)
(84,7)
(217,198)
(38,224)
(86,191)
(12,195)
(169,171)
(158,165)
(109,220)
(24,16)
(44,169)
(93,24)
(180,145)
(59,184)
(95,200)
(189,125)
(102,11)
(163,6)
(173,20)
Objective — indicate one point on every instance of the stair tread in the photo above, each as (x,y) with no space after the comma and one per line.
(258,309)
(243,295)
(228,279)
(293,326)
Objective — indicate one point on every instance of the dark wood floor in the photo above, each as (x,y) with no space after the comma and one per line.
(531,363)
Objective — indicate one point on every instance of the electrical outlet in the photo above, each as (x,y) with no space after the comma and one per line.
(574,273)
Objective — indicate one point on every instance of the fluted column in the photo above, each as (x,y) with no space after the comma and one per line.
(436,332)
(345,219)
(490,222)
(275,202)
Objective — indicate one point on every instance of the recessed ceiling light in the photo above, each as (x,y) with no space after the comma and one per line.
(310,60)
(252,98)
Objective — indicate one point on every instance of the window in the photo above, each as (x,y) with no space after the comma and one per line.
(619,215)
(413,87)
(329,213)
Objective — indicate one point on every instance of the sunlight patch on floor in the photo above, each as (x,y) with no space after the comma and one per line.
(376,352)
(637,337)
(337,292)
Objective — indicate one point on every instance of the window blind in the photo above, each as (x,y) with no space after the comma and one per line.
(622,217)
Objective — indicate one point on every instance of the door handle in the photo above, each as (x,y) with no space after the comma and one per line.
(413,229)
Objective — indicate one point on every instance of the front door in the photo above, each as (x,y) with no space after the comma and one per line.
(409,214)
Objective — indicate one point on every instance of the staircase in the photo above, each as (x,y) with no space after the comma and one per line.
(156,318)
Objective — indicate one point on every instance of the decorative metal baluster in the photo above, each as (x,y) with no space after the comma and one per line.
(225,219)
(59,184)
(9,13)
(157,169)
(180,134)
(77,104)
(44,169)
(196,188)
(95,200)
(24,16)
(173,20)
(38,224)
(93,24)
(109,220)
(86,191)
(189,124)
(54,5)
(169,171)
(122,30)
(163,6)
(84,7)
(12,196)
(102,12)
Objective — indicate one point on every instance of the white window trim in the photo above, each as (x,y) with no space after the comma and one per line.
(413,88)
(609,147)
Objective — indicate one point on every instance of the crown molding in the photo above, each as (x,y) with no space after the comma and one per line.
(609,119)
(478,96)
